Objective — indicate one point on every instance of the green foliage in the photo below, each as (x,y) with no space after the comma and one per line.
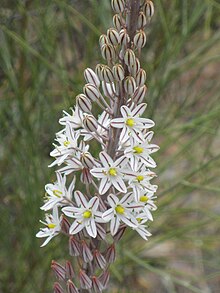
(44,48)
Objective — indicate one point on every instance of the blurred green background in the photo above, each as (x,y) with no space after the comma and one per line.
(44,48)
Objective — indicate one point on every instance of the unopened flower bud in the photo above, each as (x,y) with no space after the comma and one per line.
(148,9)
(124,38)
(141,77)
(103,39)
(74,246)
(85,281)
(129,85)
(119,233)
(87,160)
(69,270)
(86,176)
(57,288)
(108,89)
(83,103)
(91,77)
(140,39)
(98,71)
(118,22)
(107,74)
(129,57)
(139,94)
(65,224)
(118,5)
(90,123)
(86,252)
(104,279)
(110,254)
(96,285)
(142,20)
(108,52)
(113,36)
(91,92)
(118,72)
(99,259)
(101,234)
(59,270)
(71,288)
(135,68)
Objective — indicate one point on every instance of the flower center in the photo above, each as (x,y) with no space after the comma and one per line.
(119,209)
(51,226)
(144,198)
(130,122)
(140,178)
(138,150)
(139,220)
(87,214)
(112,172)
(66,143)
(57,193)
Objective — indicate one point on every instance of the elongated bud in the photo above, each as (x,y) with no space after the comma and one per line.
(59,270)
(140,39)
(71,288)
(110,254)
(91,92)
(90,123)
(148,9)
(83,103)
(57,288)
(104,279)
(118,72)
(85,281)
(103,39)
(96,285)
(99,259)
(65,225)
(139,94)
(142,20)
(91,77)
(108,52)
(113,36)
(86,252)
(69,270)
(120,233)
(98,71)
(86,176)
(108,89)
(74,246)
(107,74)
(141,77)
(129,85)
(101,234)
(118,22)
(118,5)
(87,160)
(135,68)
(129,57)
(124,38)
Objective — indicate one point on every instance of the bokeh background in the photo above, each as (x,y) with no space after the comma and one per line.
(44,48)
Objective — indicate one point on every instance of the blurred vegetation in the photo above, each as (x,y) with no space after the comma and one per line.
(44,48)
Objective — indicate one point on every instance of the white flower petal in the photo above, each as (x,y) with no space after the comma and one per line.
(114,225)
(112,200)
(91,228)
(80,199)
(105,159)
(105,184)
(76,227)
(119,184)
(108,215)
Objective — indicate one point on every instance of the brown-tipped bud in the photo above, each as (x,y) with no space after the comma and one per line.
(103,39)
(98,71)
(129,58)
(104,279)
(74,247)
(139,94)
(59,270)
(120,233)
(86,176)
(69,270)
(141,77)
(101,234)
(108,90)
(118,72)
(107,74)
(142,20)
(96,285)
(85,281)
(71,288)
(91,77)
(110,254)
(57,288)
(124,38)
(99,259)
(148,9)
(113,36)
(86,252)
(87,160)
(140,39)
(118,22)
(91,92)
(65,225)
(118,5)
(83,103)
(129,85)
(108,52)
(90,123)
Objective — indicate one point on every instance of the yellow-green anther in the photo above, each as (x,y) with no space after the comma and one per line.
(87,214)
(138,150)
(140,178)
(51,226)
(112,172)
(144,198)
(66,143)
(119,209)
(130,122)
(57,193)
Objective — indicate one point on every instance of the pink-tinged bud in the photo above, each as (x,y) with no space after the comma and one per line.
(107,74)
(113,36)
(59,270)
(96,285)
(118,22)
(129,58)
(65,225)
(99,259)
(140,39)
(85,281)
(108,89)
(118,5)
(141,77)
(110,254)
(98,71)
(57,288)
(86,252)
(118,72)
(104,279)
(103,39)
(83,103)
(69,270)
(148,9)
(101,234)
(86,176)
(71,288)
(108,52)
(91,92)
(142,20)
(91,77)
(74,246)
(90,123)
(124,38)
(120,233)
(139,94)
(129,85)
(87,160)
